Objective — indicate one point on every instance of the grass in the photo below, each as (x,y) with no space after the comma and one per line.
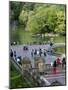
(15,77)
(59,39)
(60,50)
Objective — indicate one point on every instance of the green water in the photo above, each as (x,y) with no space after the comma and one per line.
(26,37)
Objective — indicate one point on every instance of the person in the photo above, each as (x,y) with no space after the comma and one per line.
(19,59)
(63,62)
(54,67)
(35,53)
(40,51)
(44,52)
(14,43)
(11,53)
(59,64)
(15,55)
(51,44)
(25,48)
(58,61)
(32,52)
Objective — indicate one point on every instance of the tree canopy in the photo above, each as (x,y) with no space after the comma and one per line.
(39,18)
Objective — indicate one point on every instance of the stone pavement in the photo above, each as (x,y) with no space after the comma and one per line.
(50,78)
(20,52)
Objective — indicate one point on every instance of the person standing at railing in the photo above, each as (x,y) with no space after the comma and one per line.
(15,55)
(11,53)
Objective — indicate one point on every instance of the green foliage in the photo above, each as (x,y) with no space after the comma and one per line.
(15,9)
(14,36)
(23,18)
(19,81)
(59,50)
(60,22)
(28,6)
(47,19)
(37,19)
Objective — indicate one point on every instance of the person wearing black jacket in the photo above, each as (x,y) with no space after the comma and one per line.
(63,62)
(15,55)
(54,67)
(11,53)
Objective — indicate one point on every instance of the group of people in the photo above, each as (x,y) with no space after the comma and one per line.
(58,62)
(39,52)
(14,56)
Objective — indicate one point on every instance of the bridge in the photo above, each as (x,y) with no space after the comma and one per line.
(50,78)
(49,58)
(47,78)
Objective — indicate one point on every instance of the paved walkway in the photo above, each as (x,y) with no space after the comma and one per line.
(60,77)
(49,58)
(50,77)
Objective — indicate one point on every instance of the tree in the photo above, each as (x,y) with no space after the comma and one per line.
(15,9)
(44,19)
(47,19)
(60,23)
(23,17)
